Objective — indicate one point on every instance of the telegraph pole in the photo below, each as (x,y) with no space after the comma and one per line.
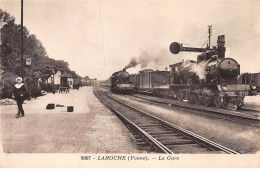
(209,31)
(0,44)
(21,73)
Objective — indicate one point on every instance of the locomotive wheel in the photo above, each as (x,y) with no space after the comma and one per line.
(198,98)
(193,97)
(190,97)
(172,94)
(207,96)
(225,104)
(207,101)
(175,93)
(180,95)
(218,101)
(239,105)
(165,95)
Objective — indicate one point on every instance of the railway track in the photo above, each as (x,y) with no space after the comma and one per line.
(250,111)
(253,112)
(157,135)
(245,116)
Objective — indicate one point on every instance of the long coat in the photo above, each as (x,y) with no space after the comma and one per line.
(19,92)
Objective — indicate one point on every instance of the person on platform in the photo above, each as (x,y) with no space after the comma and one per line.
(19,93)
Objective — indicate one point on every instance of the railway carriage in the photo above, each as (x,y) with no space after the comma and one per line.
(153,82)
(134,78)
(145,79)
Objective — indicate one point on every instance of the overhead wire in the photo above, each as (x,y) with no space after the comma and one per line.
(102,36)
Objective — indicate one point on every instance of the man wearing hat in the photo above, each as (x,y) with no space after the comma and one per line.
(19,93)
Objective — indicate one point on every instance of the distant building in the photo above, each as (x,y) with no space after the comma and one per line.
(70,81)
(86,78)
(62,78)
(93,82)
(67,80)
(57,78)
(86,81)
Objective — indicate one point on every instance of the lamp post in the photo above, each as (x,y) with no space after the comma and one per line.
(28,63)
(53,72)
(21,73)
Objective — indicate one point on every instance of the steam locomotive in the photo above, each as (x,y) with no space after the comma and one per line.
(120,82)
(212,80)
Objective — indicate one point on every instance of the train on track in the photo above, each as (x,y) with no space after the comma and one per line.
(120,82)
(212,80)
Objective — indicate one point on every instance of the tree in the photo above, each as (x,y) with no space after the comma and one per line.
(33,48)
(60,64)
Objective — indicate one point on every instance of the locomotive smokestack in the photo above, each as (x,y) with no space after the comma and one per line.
(221,46)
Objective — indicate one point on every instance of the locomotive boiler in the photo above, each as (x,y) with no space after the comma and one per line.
(120,82)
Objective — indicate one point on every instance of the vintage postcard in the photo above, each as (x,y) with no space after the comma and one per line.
(130,83)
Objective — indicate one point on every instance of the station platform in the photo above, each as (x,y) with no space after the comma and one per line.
(91,128)
(252,102)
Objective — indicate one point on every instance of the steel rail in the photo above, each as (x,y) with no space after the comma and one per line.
(147,94)
(199,139)
(222,112)
(155,142)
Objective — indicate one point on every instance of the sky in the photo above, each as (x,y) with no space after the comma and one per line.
(99,37)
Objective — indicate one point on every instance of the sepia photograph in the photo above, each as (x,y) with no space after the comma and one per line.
(130,83)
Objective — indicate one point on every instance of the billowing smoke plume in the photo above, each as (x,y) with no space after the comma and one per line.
(150,60)
(163,58)
(197,68)
(145,59)
(133,62)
